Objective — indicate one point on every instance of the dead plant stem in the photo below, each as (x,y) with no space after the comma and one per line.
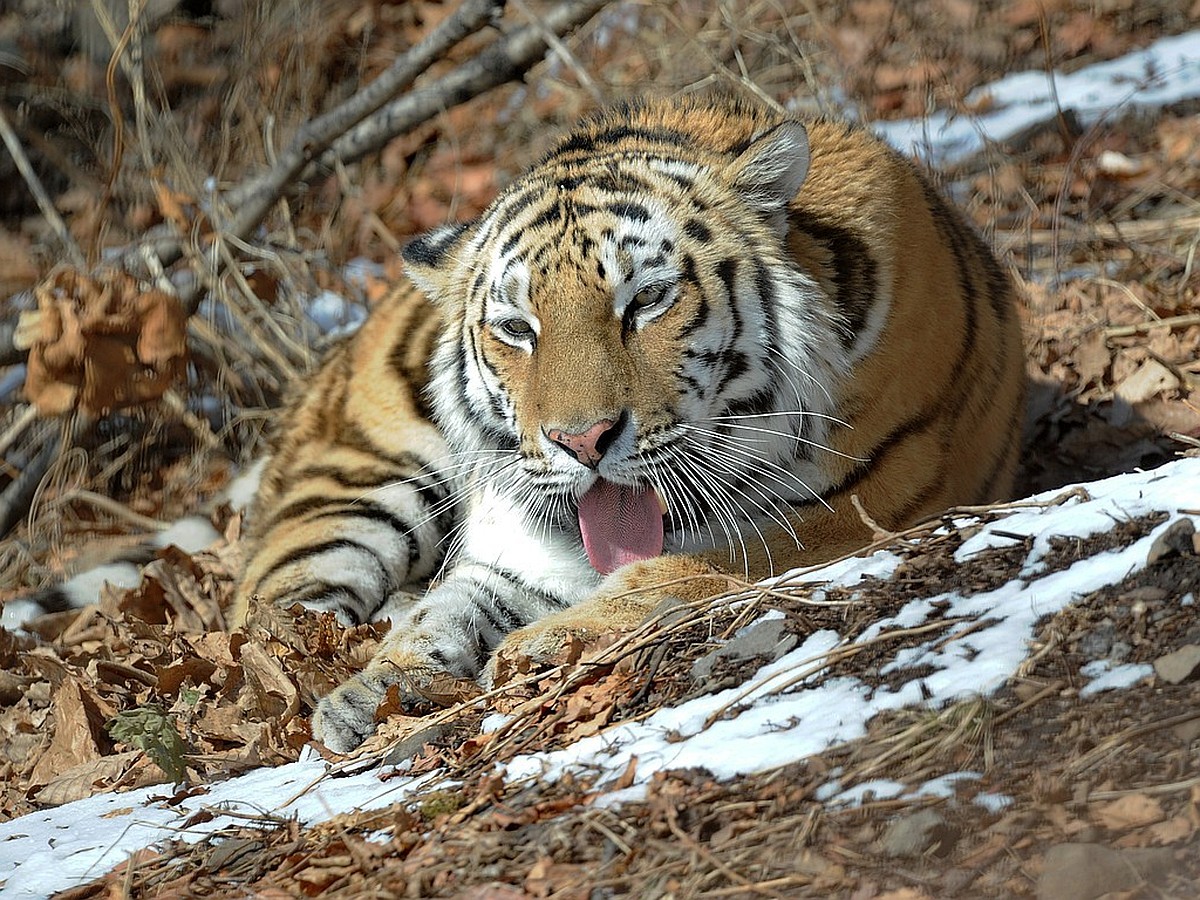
(48,210)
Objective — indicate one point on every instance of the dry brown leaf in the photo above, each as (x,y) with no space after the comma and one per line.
(447,690)
(493,892)
(102,343)
(1151,378)
(86,779)
(174,206)
(79,738)
(547,877)
(191,670)
(1130,811)
(18,269)
(1092,359)
(274,692)
(1171,831)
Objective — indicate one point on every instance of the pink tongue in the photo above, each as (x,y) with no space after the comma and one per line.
(619,525)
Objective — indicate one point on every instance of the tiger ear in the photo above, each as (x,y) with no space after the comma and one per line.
(768,174)
(429,259)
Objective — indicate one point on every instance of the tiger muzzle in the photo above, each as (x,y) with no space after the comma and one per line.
(587,446)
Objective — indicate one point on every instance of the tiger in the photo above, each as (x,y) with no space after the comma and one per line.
(678,351)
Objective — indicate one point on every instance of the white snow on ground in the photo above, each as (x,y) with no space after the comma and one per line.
(770,720)
(1166,72)
(777,717)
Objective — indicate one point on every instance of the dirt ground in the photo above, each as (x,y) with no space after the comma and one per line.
(1099,223)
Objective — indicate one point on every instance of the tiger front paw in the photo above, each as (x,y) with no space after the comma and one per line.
(348,715)
(539,644)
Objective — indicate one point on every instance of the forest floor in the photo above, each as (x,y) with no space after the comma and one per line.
(1098,220)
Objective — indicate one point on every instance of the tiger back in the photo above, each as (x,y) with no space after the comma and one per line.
(678,346)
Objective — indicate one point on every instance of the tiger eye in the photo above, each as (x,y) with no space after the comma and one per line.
(517,329)
(648,296)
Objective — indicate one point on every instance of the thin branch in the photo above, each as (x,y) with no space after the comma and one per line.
(503,61)
(44,203)
(18,496)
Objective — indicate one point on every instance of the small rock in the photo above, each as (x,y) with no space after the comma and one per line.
(411,745)
(1119,652)
(1187,731)
(918,833)
(1145,594)
(763,639)
(1098,642)
(1088,871)
(1178,667)
(1177,540)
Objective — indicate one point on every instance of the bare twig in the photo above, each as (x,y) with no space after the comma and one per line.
(57,225)
(19,495)
(561,51)
(26,418)
(1142,327)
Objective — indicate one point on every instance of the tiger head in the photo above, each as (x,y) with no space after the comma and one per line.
(626,315)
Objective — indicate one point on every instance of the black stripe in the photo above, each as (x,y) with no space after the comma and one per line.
(352,478)
(517,201)
(373,512)
(584,143)
(736,365)
(327,591)
(760,402)
(430,249)
(524,587)
(680,180)
(614,180)
(512,241)
(310,551)
(495,406)
(553,213)
(696,386)
(482,604)
(855,273)
(953,230)
(627,209)
(53,599)
(987,491)
(919,499)
(697,230)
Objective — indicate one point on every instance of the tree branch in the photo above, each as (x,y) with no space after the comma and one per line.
(255,199)
(503,61)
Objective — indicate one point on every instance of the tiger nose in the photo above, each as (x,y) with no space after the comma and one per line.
(586,446)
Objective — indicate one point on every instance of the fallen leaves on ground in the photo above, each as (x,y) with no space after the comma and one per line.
(98,344)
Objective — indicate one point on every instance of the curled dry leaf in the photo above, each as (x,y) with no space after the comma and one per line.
(79,737)
(274,692)
(444,689)
(101,343)
(88,778)
(1130,811)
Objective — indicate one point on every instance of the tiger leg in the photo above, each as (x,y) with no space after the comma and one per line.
(457,627)
(623,601)
(360,492)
